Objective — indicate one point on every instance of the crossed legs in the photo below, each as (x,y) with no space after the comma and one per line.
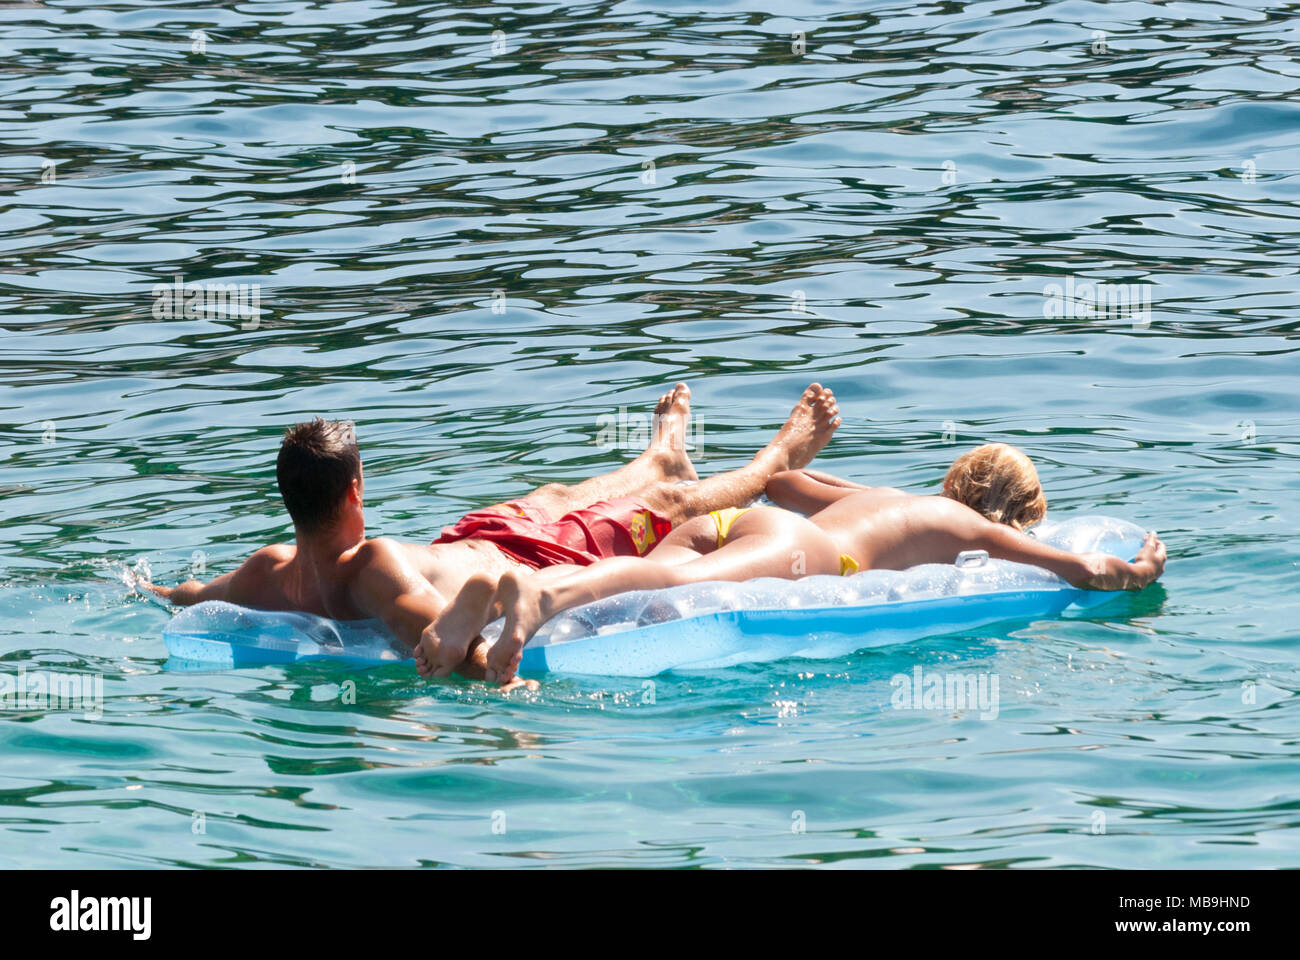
(656,476)
(663,464)
(653,479)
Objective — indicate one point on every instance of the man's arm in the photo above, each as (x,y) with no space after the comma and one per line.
(807,491)
(237,586)
(1089,571)
(390,589)
(191,591)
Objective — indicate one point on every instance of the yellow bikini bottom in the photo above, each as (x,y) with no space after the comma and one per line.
(723,519)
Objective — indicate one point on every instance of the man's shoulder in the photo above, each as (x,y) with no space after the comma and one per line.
(379,549)
(380,570)
(271,556)
(382,555)
(259,580)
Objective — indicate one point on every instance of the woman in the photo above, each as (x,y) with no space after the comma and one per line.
(990,497)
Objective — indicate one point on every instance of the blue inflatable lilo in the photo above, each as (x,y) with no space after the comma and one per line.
(702,625)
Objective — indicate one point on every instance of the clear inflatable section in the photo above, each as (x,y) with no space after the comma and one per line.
(216,632)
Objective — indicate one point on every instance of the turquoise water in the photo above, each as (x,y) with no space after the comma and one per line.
(881,213)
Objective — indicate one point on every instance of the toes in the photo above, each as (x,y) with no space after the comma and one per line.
(826,406)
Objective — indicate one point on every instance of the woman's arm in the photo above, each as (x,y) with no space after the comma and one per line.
(1089,571)
(807,491)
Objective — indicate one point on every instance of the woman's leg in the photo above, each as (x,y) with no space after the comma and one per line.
(764,542)
(477,604)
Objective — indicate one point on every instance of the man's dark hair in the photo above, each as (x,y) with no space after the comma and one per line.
(317,463)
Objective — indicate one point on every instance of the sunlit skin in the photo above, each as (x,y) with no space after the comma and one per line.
(812,421)
(337,572)
(880,527)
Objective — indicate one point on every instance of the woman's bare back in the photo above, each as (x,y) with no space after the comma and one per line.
(885,528)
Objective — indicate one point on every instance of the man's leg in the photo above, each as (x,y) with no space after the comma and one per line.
(655,477)
(808,429)
(664,462)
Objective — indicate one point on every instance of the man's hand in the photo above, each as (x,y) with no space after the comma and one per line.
(139,583)
(242,585)
(191,591)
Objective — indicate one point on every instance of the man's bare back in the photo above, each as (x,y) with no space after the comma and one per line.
(277,577)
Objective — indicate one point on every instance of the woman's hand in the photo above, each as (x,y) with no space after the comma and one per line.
(1150,562)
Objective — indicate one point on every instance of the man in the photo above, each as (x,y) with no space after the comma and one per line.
(990,496)
(333,570)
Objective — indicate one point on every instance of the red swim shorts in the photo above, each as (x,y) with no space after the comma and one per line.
(611,528)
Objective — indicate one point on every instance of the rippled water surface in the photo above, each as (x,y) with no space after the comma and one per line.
(477,253)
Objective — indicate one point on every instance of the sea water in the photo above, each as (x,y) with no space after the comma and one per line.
(483,256)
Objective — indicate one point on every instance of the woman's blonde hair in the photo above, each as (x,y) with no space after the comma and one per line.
(999,482)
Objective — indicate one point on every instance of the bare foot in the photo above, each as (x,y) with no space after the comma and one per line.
(525,606)
(809,428)
(668,448)
(443,644)
(516,682)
